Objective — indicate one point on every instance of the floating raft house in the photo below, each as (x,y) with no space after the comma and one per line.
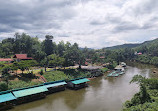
(29,94)
(55,86)
(78,83)
(6,98)
(119,70)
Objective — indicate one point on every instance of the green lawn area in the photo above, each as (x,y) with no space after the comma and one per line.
(56,75)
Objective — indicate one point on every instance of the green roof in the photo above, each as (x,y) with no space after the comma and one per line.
(6,97)
(29,91)
(79,81)
(55,84)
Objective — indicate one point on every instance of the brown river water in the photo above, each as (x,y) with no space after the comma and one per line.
(103,94)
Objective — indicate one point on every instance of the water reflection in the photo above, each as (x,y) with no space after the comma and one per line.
(74,98)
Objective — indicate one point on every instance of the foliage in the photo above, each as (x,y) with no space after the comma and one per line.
(55,60)
(104,69)
(56,75)
(21,84)
(41,72)
(147,98)
(138,79)
(3,86)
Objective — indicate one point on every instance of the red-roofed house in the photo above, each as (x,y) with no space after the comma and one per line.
(139,53)
(8,60)
(102,57)
(19,57)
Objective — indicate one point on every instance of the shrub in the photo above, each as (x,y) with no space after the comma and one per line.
(3,86)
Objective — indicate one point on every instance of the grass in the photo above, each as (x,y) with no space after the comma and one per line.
(56,75)
(65,74)
(35,71)
(21,84)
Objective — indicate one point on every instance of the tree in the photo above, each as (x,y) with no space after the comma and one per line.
(61,48)
(22,66)
(142,96)
(15,66)
(5,73)
(44,63)
(55,60)
(41,72)
(48,45)
(154,61)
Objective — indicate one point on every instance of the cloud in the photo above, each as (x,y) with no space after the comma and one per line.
(91,23)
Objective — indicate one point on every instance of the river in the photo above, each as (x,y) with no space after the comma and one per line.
(103,94)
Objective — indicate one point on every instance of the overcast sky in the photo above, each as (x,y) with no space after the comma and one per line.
(91,23)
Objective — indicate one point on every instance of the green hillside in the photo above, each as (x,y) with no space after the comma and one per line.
(122,46)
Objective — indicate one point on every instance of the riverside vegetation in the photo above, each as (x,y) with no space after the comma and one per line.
(147,98)
(47,55)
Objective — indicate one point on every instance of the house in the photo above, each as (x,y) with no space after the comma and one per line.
(102,57)
(28,94)
(55,86)
(139,53)
(77,83)
(8,60)
(18,57)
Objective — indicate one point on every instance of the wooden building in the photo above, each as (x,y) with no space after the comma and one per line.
(28,94)
(77,83)
(55,86)
(19,57)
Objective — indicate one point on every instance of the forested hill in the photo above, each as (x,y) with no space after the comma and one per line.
(148,44)
(122,46)
(135,46)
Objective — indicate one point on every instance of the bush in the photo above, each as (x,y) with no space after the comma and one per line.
(3,86)
(21,84)
(104,70)
(41,72)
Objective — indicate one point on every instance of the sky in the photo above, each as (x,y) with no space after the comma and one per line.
(92,23)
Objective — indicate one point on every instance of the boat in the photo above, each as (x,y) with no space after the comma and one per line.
(123,64)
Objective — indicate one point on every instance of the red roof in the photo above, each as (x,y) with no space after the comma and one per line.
(102,57)
(139,53)
(6,59)
(22,56)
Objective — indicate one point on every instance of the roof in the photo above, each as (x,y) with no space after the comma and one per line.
(29,91)
(6,59)
(6,97)
(139,53)
(79,81)
(54,84)
(21,56)
(91,67)
(118,67)
(102,57)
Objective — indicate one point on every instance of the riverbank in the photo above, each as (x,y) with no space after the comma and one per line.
(103,94)
(66,76)
(26,80)
(147,98)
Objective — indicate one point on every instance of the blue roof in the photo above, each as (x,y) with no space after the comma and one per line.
(55,84)
(29,91)
(6,97)
(79,81)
